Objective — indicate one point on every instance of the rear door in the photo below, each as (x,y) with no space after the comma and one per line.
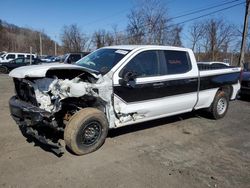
(165,84)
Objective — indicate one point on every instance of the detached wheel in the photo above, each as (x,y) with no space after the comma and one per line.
(3,70)
(220,105)
(86,131)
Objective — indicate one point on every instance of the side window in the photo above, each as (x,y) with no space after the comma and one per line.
(144,64)
(177,62)
(11,56)
(20,60)
(74,57)
(20,55)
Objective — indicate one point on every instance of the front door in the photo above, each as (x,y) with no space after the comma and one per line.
(157,91)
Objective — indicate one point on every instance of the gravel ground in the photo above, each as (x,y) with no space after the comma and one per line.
(182,151)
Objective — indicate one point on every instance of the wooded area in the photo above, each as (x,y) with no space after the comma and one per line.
(20,39)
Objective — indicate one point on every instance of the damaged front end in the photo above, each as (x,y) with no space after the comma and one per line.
(43,106)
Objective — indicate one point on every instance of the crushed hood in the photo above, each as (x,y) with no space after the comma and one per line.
(38,71)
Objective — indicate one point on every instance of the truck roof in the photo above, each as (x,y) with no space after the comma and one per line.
(133,47)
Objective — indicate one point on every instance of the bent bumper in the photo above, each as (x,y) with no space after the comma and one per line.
(29,118)
(29,113)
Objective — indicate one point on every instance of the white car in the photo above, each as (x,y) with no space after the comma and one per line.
(114,87)
(7,57)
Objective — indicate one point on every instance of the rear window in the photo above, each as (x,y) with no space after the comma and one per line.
(177,62)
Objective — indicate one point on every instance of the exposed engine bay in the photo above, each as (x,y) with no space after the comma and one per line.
(63,90)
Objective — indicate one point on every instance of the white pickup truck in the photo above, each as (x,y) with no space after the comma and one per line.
(113,87)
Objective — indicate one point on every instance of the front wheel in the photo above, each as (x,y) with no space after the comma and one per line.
(219,107)
(86,131)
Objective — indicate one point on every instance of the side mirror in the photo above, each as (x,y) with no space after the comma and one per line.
(128,79)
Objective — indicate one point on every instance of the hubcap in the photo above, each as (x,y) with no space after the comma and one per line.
(91,133)
(221,106)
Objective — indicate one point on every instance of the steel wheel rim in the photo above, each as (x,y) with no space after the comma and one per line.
(221,106)
(91,133)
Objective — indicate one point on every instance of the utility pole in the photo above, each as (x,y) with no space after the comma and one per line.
(55,47)
(30,55)
(244,35)
(41,45)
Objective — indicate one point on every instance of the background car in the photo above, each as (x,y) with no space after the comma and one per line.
(245,80)
(7,57)
(71,58)
(18,62)
(215,63)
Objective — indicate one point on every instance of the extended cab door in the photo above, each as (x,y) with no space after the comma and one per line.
(154,84)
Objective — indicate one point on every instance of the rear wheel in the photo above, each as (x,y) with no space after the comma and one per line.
(219,107)
(3,70)
(86,131)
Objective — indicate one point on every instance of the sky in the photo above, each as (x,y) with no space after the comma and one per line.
(90,15)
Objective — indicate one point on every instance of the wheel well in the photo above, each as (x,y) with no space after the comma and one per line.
(227,89)
(83,102)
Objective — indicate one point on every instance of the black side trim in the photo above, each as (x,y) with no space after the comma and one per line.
(156,90)
(216,81)
(162,89)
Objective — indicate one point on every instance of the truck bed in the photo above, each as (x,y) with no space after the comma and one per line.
(204,67)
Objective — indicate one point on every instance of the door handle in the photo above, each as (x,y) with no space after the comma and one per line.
(158,84)
(192,80)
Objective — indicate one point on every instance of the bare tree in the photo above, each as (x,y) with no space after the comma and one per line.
(119,37)
(196,32)
(217,36)
(135,27)
(148,24)
(175,40)
(73,40)
(102,38)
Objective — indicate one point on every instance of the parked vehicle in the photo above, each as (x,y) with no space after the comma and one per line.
(2,53)
(46,58)
(217,64)
(245,80)
(7,57)
(71,58)
(18,62)
(114,87)
(49,58)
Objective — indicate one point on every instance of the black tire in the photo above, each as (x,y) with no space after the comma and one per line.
(219,107)
(3,70)
(86,131)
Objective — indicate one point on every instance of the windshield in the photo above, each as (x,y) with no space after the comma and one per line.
(3,55)
(102,60)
